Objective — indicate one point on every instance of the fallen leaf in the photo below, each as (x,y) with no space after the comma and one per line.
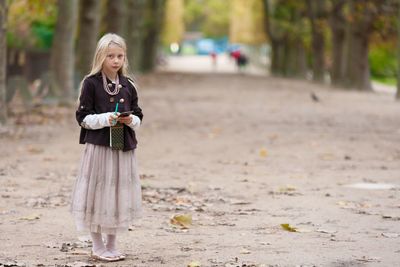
(79,264)
(326,231)
(390,235)
(327,156)
(183,220)
(287,188)
(263,153)
(79,252)
(214,132)
(245,251)
(35,150)
(342,203)
(12,264)
(393,217)
(31,217)
(194,264)
(369,259)
(289,228)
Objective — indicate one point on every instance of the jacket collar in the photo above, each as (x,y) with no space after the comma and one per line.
(122,79)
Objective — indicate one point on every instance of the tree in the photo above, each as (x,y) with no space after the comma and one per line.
(317,13)
(211,17)
(361,22)
(114,17)
(135,32)
(398,53)
(286,28)
(247,22)
(174,26)
(62,53)
(88,31)
(3,60)
(337,22)
(152,18)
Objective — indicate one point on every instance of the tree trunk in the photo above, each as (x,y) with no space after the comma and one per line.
(3,60)
(277,58)
(357,72)
(88,28)
(277,43)
(295,59)
(134,37)
(62,53)
(358,65)
(337,24)
(114,19)
(398,53)
(152,20)
(316,13)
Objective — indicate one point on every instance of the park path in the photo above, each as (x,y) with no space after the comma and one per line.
(242,155)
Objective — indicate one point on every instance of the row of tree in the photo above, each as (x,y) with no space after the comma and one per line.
(78,26)
(331,36)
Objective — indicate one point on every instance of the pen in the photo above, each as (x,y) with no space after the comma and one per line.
(116,109)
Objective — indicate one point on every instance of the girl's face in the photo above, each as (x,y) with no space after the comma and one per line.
(115,59)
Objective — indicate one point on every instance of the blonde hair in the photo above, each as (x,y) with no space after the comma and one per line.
(101,54)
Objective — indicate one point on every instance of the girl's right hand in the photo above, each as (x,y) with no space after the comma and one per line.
(113,119)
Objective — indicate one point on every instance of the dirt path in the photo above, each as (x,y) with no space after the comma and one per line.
(242,155)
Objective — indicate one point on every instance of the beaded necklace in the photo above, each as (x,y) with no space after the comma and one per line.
(108,86)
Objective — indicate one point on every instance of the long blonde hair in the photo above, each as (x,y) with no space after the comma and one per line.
(101,54)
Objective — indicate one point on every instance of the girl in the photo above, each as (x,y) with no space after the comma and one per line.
(107,192)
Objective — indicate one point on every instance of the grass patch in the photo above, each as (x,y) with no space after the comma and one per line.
(386,80)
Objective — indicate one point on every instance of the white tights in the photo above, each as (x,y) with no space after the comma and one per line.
(108,250)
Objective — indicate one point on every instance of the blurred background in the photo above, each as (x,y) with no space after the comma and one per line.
(46,46)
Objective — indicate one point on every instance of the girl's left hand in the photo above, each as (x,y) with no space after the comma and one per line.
(126,120)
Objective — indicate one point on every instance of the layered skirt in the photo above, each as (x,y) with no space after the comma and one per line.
(107,195)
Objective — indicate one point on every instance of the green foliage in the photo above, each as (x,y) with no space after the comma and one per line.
(382,60)
(44,33)
(31,23)
(211,17)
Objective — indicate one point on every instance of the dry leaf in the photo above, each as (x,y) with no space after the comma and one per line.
(194,264)
(326,231)
(31,217)
(183,220)
(390,235)
(263,153)
(245,251)
(327,156)
(289,228)
(287,188)
(214,132)
(79,252)
(342,203)
(35,150)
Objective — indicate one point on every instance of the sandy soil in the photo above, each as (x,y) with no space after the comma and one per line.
(242,155)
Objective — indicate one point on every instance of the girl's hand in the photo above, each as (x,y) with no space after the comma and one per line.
(113,119)
(127,120)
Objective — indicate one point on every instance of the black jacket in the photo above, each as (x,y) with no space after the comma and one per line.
(95,100)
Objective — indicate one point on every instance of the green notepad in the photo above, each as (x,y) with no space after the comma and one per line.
(117,136)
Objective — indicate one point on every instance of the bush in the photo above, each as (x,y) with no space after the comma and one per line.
(382,60)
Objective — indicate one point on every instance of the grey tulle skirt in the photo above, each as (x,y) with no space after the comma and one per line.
(107,195)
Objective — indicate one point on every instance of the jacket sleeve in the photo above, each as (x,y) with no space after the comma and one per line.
(86,102)
(137,111)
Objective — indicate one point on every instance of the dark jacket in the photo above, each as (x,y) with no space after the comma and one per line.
(95,100)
